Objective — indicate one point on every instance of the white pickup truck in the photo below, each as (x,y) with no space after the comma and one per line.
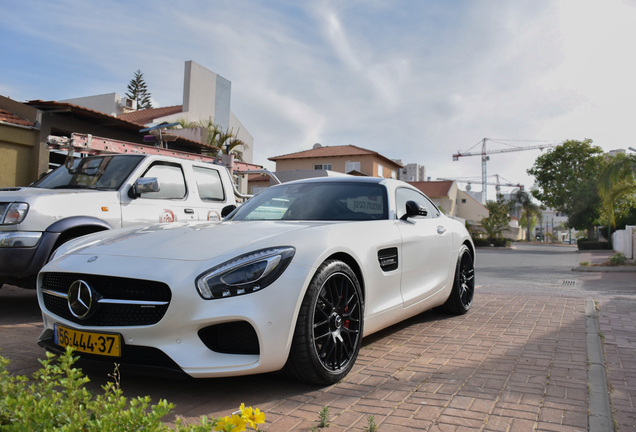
(102,192)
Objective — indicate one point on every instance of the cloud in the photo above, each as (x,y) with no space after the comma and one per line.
(412,80)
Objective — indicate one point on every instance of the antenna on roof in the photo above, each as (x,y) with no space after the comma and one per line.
(317,146)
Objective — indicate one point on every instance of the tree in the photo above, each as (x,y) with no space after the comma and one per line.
(528,223)
(528,207)
(617,182)
(566,181)
(498,218)
(226,141)
(138,91)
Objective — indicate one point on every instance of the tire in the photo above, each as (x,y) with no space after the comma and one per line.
(461,297)
(328,331)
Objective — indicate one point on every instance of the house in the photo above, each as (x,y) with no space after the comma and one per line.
(19,144)
(453,201)
(25,127)
(347,159)
(206,96)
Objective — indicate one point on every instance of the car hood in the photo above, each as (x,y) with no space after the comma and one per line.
(184,241)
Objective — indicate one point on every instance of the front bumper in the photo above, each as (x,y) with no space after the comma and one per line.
(271,312)
(22,254)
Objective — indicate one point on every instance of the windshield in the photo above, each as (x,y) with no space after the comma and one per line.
(97,172)
(317,201)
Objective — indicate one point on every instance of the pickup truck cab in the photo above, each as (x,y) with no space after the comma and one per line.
(103,192)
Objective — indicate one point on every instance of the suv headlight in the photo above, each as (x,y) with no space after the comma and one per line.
(245,274)
(14,213)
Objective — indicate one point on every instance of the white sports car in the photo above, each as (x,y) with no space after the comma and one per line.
(293,279)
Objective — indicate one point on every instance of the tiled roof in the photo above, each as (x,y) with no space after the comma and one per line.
(7,117)
(434,189)
(332,151)
(146,116)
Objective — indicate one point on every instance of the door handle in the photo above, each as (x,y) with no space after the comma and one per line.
(441,230)
(188,211)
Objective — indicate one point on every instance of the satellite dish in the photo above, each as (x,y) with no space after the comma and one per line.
(468,188)
(317,146)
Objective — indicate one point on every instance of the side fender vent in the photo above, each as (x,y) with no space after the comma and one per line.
(388,259)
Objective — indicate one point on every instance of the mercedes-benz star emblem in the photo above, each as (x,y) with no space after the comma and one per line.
(80,299)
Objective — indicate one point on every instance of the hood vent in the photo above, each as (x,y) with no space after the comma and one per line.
(388,259)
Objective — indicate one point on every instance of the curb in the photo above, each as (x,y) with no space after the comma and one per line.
(598,269)
(600,412)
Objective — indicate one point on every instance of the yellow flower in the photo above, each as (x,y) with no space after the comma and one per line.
(235,423)
(252,416)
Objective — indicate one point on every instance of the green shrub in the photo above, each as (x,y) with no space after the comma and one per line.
(56,400)
(481,242)
(587,244)
(618,259)
(500,242)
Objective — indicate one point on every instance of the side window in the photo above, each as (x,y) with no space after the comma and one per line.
(403,195)
(209,184)
(171,181)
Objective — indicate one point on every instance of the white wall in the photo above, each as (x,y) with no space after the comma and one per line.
(106,103)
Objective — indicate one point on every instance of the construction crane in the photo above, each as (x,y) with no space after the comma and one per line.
(485,158)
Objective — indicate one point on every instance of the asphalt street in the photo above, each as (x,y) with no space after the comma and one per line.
(517,361)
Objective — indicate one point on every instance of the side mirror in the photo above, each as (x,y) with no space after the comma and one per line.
(144,185)
(414,209)
(227,210)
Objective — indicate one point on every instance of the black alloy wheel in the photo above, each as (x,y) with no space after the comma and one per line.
(329,328)
(466,280)
(336,318)
(463,291)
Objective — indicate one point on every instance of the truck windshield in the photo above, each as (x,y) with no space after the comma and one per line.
(96,172)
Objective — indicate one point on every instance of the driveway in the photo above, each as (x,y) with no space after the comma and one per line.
(517,361)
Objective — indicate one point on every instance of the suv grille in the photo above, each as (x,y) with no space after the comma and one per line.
(120,301)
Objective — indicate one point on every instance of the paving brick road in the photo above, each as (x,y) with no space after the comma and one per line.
(517,361)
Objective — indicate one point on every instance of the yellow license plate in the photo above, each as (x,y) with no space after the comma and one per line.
(106,344)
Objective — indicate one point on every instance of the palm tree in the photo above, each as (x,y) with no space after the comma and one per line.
(615,181)
(226,142)
(529,208)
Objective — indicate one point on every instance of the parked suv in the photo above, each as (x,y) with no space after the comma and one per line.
(99,193)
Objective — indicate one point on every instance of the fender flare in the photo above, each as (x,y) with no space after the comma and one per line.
(77,221)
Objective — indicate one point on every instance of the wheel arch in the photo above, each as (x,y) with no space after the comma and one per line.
(355,267)
(75,226)
(471,249)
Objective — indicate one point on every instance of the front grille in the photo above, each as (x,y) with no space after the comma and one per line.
(388,259)
(122,301)
(237,337)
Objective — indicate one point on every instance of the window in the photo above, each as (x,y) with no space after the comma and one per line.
(380,171)
(209,184)
(323,167)
(393,174)
(352,166)
(317,201)
(463,200)
(403,195)
(171,182)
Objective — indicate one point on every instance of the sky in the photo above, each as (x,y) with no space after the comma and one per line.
(412,80)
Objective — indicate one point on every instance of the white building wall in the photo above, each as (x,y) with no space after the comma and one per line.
(109,103)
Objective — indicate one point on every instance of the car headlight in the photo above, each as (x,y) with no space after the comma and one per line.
(14,213)
(245,274)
